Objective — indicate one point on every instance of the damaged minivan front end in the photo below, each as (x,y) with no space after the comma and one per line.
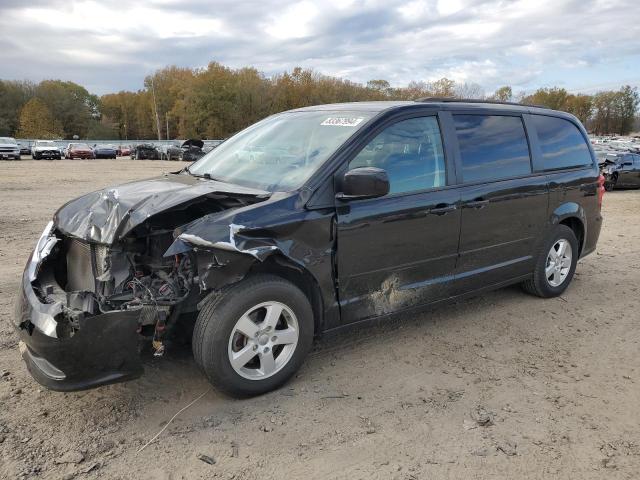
(238,251)
(102,278)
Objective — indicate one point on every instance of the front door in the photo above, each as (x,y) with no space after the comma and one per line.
(399,250)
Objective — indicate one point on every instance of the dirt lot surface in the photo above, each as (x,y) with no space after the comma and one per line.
(501,386)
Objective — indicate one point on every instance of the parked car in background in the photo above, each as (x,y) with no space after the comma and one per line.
(79,150)
(210,145)
(123,150)
(170,151)
(25,147)
(377,208)
(192,150)
(620,170)
(9,149)
(104,151)
(45,149)
(145,151)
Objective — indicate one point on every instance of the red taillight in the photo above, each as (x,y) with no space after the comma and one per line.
(600,189)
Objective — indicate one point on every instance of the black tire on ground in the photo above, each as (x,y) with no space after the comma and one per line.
(610,183)
(216,322)
(538,284)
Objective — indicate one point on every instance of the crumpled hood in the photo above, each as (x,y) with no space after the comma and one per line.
(609,167)
(105,216)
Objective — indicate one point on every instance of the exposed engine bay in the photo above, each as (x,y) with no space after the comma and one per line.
(89,278)
(131,274)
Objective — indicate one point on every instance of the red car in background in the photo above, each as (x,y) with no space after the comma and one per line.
(123,151)
(79,150)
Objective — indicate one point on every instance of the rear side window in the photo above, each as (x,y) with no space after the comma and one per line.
(562,144)
(492,147)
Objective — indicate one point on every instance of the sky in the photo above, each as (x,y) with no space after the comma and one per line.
(109,45)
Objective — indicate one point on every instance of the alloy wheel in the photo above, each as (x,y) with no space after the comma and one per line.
(558,262)
(263,340)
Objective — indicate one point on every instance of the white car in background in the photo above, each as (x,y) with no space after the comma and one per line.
(45,149)
(9,149)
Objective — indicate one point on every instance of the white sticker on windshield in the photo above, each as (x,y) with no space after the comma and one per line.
(343,121)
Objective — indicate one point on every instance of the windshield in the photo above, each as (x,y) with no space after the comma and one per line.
(79,145)
(45,143)
(281,152)
(7,140)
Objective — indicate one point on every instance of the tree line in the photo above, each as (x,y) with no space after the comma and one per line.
(216,101)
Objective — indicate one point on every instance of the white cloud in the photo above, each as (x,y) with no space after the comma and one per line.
(293,22)
(525,43)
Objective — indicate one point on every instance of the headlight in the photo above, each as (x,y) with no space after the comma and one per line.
(43,248)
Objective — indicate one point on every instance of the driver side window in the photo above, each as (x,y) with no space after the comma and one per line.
(411,153)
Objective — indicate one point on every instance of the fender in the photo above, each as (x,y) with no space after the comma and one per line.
(570,210)
(297,242)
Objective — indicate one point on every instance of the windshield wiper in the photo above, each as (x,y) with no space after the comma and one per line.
(204,175)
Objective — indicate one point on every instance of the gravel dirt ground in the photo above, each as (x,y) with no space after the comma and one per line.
(500,386)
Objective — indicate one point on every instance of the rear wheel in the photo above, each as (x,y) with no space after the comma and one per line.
(555,265)
(252,337)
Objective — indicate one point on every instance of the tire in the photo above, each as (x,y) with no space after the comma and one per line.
(216,336)
(610,183)
(545,286)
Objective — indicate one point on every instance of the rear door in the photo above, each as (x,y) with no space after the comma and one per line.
(627,173)
(399,250)
(636,168)
(504,205)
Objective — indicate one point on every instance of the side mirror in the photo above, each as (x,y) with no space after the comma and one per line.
(364,182)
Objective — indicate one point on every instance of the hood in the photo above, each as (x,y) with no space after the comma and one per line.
(193,142)
(45,147)
(9,145)
(107,215)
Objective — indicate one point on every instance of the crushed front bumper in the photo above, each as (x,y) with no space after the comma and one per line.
(103,349)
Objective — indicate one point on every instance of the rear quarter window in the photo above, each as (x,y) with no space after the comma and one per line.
(561,143)
(492,147)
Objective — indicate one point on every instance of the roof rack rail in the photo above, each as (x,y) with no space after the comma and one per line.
(474,100)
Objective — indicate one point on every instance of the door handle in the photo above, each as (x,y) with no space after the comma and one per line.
(476,204)
(442,208)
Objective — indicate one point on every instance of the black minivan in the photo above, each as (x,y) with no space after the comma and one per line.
(308,221)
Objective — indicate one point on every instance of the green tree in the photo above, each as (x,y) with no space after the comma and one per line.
(36,121)
(444,87)
(503,94)
(71,104)
(555,98)
(627,106)
(13,96)
(581,106)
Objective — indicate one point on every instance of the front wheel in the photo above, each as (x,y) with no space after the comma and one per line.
(555,265)
(252,337)
(610,182)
